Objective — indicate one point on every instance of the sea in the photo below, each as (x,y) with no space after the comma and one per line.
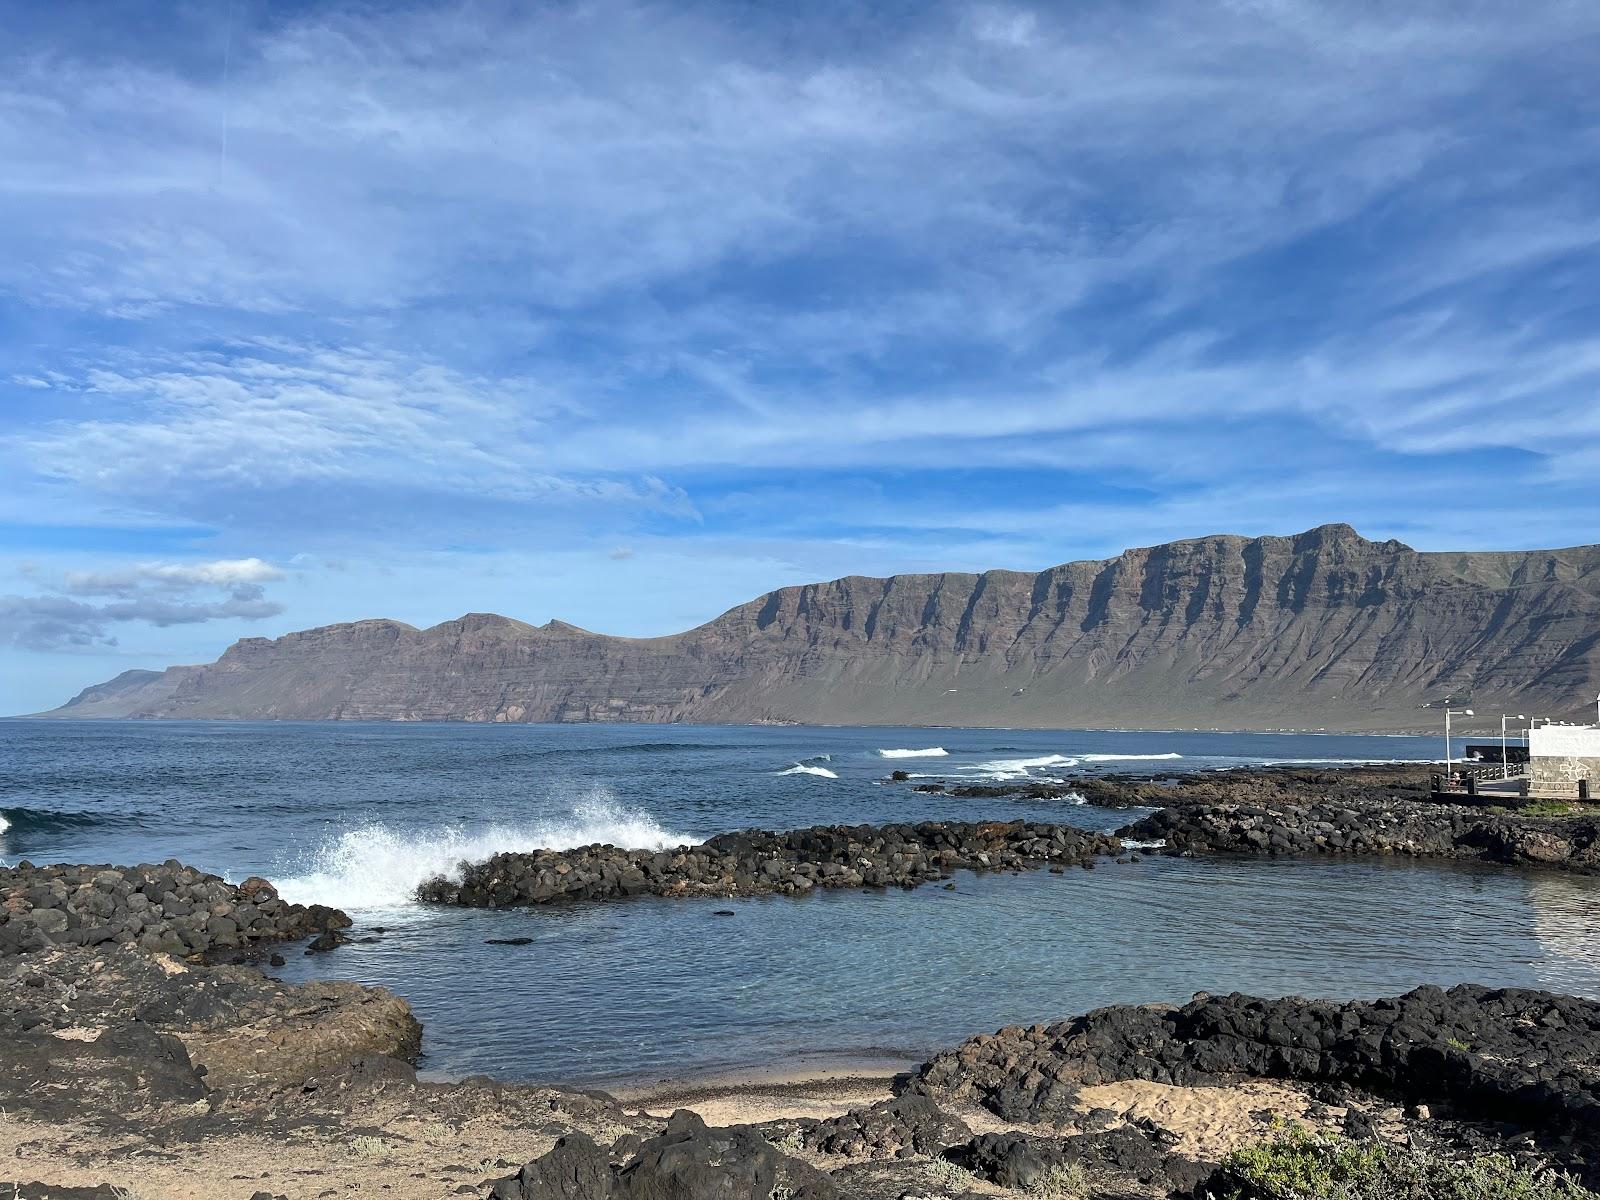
(632,992)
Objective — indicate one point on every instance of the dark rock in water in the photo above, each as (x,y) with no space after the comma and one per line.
(757,862)
(516,941)
(899,776)
(278,960)
(688,1161)
(326,941)
(724,912)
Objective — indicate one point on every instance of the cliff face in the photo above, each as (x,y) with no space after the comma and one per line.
(1321,630)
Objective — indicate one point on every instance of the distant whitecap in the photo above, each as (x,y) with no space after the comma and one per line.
(806,769)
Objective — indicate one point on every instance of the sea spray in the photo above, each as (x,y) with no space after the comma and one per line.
(378,866)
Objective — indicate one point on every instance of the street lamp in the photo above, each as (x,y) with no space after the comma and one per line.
(1449,753)
(1505,763)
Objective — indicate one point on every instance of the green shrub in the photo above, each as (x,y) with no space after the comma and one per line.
(1301,1166)
(947,1175)
(1061,1181)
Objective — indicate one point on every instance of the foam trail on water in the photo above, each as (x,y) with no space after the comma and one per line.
(1127,757)
(376,865)
(804,769)
(930,752)
(4,824)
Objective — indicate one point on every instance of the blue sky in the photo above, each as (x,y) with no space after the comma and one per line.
(624,313)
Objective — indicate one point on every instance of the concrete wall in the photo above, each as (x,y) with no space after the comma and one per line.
(1560,755)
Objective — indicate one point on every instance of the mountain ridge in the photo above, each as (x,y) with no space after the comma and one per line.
(1322,629)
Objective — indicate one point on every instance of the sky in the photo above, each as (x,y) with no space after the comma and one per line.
(624,313)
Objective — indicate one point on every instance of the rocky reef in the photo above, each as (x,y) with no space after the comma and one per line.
(1380,810)
(757,862)
(1283,811)
(170,908)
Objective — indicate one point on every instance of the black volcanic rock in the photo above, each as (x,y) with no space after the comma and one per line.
(757,862)
(170,908)
(687,1161)
(1524,1057)
(1321,630)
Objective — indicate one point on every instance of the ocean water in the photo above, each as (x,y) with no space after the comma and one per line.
(355,815)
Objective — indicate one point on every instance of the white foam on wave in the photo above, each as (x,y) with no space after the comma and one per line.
(806,769)
(378,866)
(1136,844)
(930,752)
(1128,757)
(1019,768)
(4,824)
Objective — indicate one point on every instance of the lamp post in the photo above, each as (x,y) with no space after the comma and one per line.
(1449,753)
(1505,763)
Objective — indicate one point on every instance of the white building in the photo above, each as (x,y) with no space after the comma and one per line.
(1560,756)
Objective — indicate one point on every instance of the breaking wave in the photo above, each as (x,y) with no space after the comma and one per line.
(1127,757)
(807,769)
(930,752)
(1021,768)
(376,865)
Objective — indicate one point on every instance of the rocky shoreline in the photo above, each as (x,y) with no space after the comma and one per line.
(167,908)
(758,862)
(130,1069)
(141,1050)
(1359,811)
(1281,811)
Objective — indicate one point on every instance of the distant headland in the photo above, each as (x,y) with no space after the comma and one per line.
(1321,630)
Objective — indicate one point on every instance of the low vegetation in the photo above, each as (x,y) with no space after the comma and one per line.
(1062,1181)
(1300,1166)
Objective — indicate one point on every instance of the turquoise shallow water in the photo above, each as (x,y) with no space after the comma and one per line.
(354,815)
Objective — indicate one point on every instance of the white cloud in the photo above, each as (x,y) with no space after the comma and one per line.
(225,573)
